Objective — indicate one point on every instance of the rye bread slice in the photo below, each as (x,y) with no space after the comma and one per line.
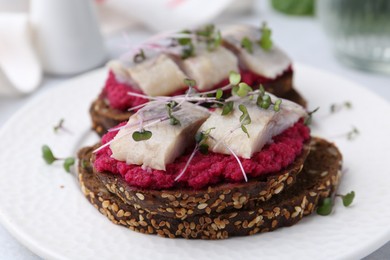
(104,117)
(183,203)
(319,179)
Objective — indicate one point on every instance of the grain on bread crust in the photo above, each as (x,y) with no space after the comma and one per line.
(104,117)
(182,203)
(319,179)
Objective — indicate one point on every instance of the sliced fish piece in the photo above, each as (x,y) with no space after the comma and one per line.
(167,141)
(265,124)
(267,63)
(209,68)
(158,76)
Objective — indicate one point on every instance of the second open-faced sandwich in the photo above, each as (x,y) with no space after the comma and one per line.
(207,55)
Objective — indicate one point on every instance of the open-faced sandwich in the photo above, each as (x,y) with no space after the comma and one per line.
(207,55)
(243,165)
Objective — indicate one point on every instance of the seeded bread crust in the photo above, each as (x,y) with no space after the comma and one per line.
(319,179)
(104,117)
(183,203)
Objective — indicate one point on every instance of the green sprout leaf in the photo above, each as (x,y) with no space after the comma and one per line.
(326,207)
(337,107)
(218,39)
(234,78)
(246,43)
(170,106)
(68,162)
(348,198)
(243,89)
(199,137)
(214,42)
(188,51)
(184,41)
(204,148)
(190,82)
(262,90)
(139,57)
(59,125)
(208,131)
(174,121)
(47,155)
(245,130)
(141,135)
(351,135)
(245,119)
(218,94)
(309,117)
(277,105)
(265,41)
(266,102)
(206,31)
(227,108)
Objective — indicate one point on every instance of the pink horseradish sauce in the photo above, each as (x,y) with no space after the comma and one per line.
(115,92)
(208,169)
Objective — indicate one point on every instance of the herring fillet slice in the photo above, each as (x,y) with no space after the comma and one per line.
(157,76)
(265,124)
(268,63)
(209,68)
(167,142)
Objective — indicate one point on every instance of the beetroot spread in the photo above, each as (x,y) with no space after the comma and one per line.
(208,169)
(116,92)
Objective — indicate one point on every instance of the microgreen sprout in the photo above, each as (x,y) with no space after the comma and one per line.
(219,94)
(325,208)
(189,82)
(201,146)
(141,135)
(347,198)
(265,41)
(139,57)
(47,155)
(351,135)
(49,158)
(234,78)
(264,100)
(170,107)
(337,107)
(246,43)
(309,117)
(214,42)
(277,105)
(242,89)
(68,162)
(245,119)
(227,108)
(59,125)
(210,36)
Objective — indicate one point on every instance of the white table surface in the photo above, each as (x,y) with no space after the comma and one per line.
(302,38)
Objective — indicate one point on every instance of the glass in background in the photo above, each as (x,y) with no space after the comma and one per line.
(359,31)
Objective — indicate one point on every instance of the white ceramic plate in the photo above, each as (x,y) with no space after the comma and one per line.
(60,223)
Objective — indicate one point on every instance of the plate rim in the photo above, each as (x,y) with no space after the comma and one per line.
(45,252)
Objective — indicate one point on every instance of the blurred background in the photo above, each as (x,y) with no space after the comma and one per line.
(45,42)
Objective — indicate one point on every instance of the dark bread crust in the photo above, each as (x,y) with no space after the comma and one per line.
(104,117)
(319,179)
(182,203)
